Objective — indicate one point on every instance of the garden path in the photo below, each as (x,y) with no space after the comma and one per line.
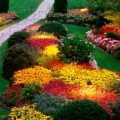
(40,13)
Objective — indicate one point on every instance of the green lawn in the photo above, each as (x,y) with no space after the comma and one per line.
(23,8)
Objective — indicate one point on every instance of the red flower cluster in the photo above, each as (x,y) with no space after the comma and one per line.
(55,64)
(76,92)
(42,42)
(106,29)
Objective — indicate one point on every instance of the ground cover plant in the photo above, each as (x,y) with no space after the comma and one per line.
(56,83)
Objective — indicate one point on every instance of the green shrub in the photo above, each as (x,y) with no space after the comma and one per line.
(18,57)
(117,54)
(74,50)
(4,6)
(29,90)
(115,110)
(81,110)
(112,34)
(54,27)
(48,104)
(97,31)
(60,6)
(18,37)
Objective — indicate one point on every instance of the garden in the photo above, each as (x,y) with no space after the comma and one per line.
(65,67)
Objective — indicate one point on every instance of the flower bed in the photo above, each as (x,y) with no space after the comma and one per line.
(7,17)
(110,45)
(51,78)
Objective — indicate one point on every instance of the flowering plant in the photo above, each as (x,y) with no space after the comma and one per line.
(37,74)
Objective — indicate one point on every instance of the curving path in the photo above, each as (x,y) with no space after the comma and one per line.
(40,13)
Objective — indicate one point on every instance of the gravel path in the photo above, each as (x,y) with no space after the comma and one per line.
(40,13)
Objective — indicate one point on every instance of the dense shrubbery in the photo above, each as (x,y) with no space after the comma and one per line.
(18,57)
(18,37)
(29,90)
(74,50)
(81,110)
(54,27)
(74,16)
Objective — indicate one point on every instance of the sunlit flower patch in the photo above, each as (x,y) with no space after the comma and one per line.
(36,74)
(76,92)
(44,35)
(27,112)
(100,77)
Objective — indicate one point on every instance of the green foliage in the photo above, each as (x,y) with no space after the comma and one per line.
(54,27)
(115,110)
(48,104)
(112,34)
(60,6)
(74,50)
(18,57)
(96,7)
(18,37)
(29,90)
(4,6)
(97,31)
(81,110)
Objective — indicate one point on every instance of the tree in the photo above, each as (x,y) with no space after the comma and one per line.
(4,6)
(60,6)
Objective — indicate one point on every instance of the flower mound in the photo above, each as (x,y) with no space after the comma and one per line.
(36,74)
(77,92)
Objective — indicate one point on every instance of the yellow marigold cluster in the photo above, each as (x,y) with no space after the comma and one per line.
(45,35)
(50,51)
(99,77)
(37,74)
(27,113)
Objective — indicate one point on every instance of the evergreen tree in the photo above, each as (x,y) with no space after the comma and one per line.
(4,6)
(60,6)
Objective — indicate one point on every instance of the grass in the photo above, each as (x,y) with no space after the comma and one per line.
(3,113)
(23,8)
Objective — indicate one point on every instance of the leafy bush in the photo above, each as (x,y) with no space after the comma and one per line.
(47,103)
(97,31)
(29,90)
(18,57)
(112,34)
(95,7)
(60,6)
(74,49)
(115,110)
(54,27)
(18,37)
(81,110)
